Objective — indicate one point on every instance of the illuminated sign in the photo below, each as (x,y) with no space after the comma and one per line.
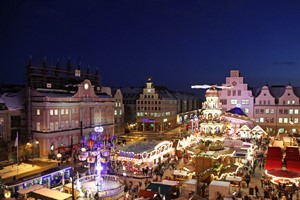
(98,129)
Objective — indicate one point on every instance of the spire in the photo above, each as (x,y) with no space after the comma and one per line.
(57,68)
(69,65)
(44,62)
(87,75)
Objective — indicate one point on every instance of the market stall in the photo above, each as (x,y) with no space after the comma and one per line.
(136,156)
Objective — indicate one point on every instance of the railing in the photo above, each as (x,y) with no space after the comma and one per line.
(104,192)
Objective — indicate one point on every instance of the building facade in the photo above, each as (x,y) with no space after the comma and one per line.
(277,108)
(12,121)
(159,109)
(61,113)
(274,108)
(119,112)
(238,95)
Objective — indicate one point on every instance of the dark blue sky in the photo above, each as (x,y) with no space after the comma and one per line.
(178,43)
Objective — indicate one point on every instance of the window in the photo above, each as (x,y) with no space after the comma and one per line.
(267,111)
(56,126)
(233,101)
(272,110)
(262,111)
(51,126)
(51,112)
(260,102)
(38,112)
(288,102)
(62,111)
(293,102)
(280,120)
(67,111)
(228,92)
(261,120)
(233,92)
(280,111)
(285,120)
(116,104)
(245,101)
(265,102)
(116,112)
(246,110)
(291,111)
(296,120)
(38,126)
(286,111)
(56,112)
(256,111)
(283,102)
(239,92)
(269,102)
(223,101)
(120,112)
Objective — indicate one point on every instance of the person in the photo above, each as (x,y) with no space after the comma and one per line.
(256,191)
(247,179)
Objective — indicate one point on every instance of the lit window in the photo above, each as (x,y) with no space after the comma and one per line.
(245,101)
(51,112)
(261,120)
(256,119)
(291,111)
(285,120)
(119,104)
(120,112)
(293,102)
(116,112)
(56,112)
(246,110)
(280,120)
(272,110)
(38,112)
(67,111)
(233,101)
(116,104)
(296,111)
(62,111)
(288,102)
(38,126)
(267,111)
(296,120)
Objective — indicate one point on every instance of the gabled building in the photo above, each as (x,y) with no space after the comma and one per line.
(65,105)
(277,109)
(238,95)
(159,109)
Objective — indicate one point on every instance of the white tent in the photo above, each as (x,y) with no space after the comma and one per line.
(257,131)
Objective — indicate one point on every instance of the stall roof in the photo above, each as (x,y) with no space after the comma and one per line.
(180,173)
(54,194)
(219,183)
(140,147)
(30,189)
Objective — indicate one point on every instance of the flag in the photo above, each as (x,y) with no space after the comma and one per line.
(17,140)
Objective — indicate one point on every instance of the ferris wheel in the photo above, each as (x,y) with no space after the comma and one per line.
(205,86)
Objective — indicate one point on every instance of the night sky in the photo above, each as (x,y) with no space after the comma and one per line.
(177,43)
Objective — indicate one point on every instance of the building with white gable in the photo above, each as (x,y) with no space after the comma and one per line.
(238,95)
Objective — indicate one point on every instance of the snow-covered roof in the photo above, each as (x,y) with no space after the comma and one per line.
(13,101)
(140,147)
